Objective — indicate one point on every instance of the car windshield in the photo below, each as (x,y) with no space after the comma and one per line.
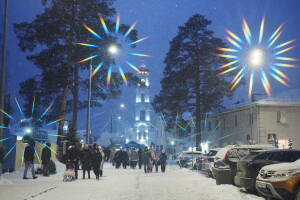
(212,153)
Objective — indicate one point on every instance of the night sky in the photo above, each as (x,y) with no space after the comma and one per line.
(159,19)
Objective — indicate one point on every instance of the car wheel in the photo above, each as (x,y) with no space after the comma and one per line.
(210,174)
(251,191)
(269,198)
(297,195)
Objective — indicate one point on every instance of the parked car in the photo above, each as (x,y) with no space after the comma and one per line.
(238,152)
(280,181)
(232,156)
(187,158)
(249,167)
(220,166)
(208,160)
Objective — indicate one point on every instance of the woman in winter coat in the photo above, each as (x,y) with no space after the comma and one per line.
(118,158)
(96,162)
(125,158)
(102,162)
(163,160)
(86,157)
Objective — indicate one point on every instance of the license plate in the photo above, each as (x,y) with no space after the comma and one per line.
(261,184)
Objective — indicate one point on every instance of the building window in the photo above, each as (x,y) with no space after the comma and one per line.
(142,115)
(142,98)
(202,125)
(235,120)
(209,126)
(250,118)
(278,116)
(217,124)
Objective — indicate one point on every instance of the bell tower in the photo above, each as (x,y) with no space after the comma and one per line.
(142,125)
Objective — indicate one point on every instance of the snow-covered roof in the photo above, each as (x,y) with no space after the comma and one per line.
(255,146)
(278,102)
(263,102)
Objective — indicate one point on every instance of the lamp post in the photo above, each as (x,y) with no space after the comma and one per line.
(256,59)
(3,67)
(88,118)
(3,71)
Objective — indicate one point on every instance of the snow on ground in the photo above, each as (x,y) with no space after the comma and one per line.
(124,184)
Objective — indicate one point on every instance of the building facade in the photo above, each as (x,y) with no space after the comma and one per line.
(143,127)
(271,121)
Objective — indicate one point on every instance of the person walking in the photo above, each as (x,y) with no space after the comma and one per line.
(163,160)
(29,160)
(106,151)
(102,161)
(86,157)
(156,161)
(146,160)
(125,158)
(140,154)
(73,158)
(46,157)
(134,158)
(96,161)
(118,158)
(112,156)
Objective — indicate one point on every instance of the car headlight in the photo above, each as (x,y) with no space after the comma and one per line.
(282,174)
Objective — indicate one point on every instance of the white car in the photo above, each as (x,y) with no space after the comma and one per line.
(187,158)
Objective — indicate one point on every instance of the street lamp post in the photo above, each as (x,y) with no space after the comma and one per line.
(3,71)
(88,117)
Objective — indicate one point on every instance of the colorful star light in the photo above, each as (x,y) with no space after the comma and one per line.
(113,49)
(257,57)
(17,122)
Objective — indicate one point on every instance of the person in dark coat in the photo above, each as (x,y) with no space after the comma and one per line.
(46,157)
(125,158)
(73,158)
(118,158)
(96,161)
(29,160)
(106,151)
(163,160)
(146,160)
(86,160)
(140,154)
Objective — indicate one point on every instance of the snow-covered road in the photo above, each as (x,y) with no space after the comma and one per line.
(121,184)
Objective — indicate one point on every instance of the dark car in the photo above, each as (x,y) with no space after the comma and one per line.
(248,168)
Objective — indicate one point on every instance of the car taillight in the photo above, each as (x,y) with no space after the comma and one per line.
(226,158)
(251,164)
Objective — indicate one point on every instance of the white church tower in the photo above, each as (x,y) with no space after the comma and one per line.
(142,126)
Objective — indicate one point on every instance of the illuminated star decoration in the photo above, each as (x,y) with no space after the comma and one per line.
(261,56)
(113,49)
(19,131)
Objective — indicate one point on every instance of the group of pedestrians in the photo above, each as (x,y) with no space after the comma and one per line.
(89,157)
(133,157)
(151,159)
(93,158)
(29,159)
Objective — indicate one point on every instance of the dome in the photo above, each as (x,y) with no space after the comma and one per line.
(143,70)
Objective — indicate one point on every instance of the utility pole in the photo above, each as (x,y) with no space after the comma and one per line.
(111,124)
(3,71)
(88,117)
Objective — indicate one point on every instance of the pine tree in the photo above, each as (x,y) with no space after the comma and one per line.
(190,82)
(49,39)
